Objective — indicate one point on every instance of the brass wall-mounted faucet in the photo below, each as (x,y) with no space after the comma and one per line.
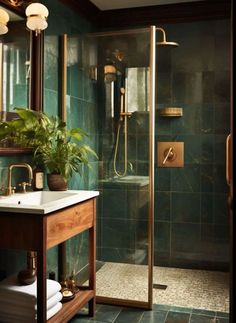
(10,189)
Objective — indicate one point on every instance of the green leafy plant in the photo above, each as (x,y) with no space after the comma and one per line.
(59,149)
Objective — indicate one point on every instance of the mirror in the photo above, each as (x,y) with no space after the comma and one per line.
(14,64)
(14,68)
(21,68)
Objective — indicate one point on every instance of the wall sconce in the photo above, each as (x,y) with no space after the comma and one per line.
(109,73)
(4,18)
(37,15)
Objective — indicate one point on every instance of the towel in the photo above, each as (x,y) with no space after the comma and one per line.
(11,304)
(13,318)
(53,310)
(18,303)
(27,292)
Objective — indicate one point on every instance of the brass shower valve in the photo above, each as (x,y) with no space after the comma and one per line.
(170,154)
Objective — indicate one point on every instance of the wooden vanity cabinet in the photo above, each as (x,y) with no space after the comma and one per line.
(40,232)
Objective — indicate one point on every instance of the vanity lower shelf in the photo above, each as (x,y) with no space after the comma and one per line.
(70,308)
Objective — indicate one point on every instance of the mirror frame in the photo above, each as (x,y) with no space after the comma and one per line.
(36,71)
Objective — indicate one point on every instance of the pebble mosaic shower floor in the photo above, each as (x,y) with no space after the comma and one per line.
(199,289)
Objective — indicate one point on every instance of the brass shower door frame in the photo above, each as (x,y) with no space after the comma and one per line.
(151,99)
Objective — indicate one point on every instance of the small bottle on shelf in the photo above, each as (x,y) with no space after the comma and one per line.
(38,179)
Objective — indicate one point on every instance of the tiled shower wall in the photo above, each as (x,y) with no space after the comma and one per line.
(191,215)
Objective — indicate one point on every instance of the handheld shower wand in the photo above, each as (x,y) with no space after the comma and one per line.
(123,116)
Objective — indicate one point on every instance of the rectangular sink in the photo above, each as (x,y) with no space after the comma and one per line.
(43,202)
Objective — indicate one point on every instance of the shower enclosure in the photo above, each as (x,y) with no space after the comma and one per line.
(171,251)
(136,246)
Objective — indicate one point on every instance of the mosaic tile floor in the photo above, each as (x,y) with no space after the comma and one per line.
(199,289)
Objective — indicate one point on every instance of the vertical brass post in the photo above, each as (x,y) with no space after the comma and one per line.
(152,87)
(1,77)
(62,246)
(64,77)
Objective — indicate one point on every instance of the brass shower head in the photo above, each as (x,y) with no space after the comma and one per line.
(167,43)
(164,42)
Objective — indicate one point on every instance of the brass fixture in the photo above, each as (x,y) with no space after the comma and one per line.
(123,116)
(11,189)
(170,154)
(164,42)
(16,3)
(171,112)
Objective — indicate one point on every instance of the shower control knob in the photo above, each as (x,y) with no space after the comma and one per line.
(169,154)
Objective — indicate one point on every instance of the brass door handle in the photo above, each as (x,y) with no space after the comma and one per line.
(228,160)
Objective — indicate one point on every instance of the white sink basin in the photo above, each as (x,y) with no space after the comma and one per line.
(43,202)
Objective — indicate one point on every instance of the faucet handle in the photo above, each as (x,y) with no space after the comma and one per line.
(24,185)
(10,190)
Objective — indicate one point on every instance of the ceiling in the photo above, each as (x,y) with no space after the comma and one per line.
(122,4)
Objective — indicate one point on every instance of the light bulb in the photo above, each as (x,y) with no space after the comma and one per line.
(36,17)
(4,18)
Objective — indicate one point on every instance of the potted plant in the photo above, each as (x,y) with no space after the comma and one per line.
(59,149)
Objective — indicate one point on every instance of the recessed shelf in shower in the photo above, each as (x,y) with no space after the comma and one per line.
(171,112)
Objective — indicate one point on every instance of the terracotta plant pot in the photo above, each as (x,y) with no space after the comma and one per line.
(56,182)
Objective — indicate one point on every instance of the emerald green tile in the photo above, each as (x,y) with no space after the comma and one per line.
(222,320)
(222,87)
(162,236)
(219,149)
(51,68)
(220,208)
(185,238)
(201,318)
(222,118)
(118,233)
(219,181)
(77,113)
(106,314)
(185,207)
(115,203)
(204,312)
(207,145)
(175,317)
(181,309)
(222,314)
(50,102)
(207,119)
(207,87)
(192,148)
(162,179)
(161,307)
(207,178)
(186,179)
(77,81)
(129,315)
(153,317)
(162,205)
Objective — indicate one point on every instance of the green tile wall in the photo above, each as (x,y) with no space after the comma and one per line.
(191,216)
(81,112)
(198,80)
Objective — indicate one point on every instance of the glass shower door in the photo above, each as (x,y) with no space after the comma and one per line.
(125,205)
